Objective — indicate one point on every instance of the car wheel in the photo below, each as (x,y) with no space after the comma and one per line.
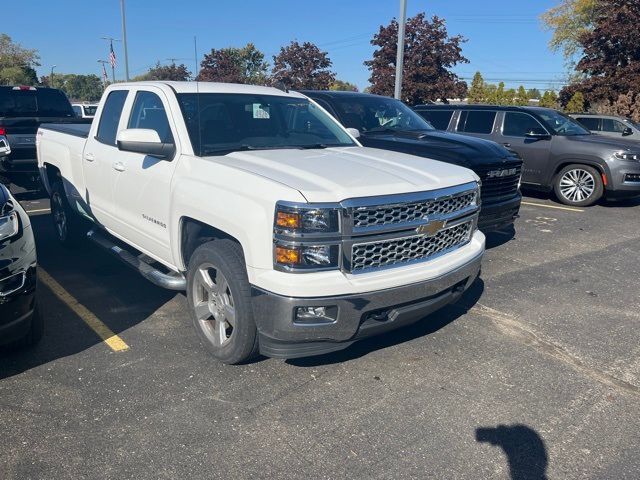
(219,297)
(34,335)
(578,185)
(67,225)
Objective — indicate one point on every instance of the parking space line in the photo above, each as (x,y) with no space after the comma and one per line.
(38,210)
(568,209)
(111,339)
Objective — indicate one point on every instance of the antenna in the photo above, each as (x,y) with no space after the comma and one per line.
(195,53)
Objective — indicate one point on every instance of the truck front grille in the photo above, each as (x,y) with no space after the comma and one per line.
(382,215)
(387,253)
(495,188)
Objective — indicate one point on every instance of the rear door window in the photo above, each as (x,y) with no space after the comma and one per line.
(476,121)
(590,123)
(519,124)
(110,118)
(438,118)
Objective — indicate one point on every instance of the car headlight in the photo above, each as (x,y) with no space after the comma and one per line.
(306,257)
(302,219)
(627,156)
(9,225)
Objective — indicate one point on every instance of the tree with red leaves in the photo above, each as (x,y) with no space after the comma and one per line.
(302,66)
(234,65)
(429,55)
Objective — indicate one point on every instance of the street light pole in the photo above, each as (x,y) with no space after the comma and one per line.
(400,52)
(124,42)
(51,76)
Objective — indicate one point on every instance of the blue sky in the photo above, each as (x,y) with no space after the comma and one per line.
(505,39)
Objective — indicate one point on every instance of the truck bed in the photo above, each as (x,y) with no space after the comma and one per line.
(77,130)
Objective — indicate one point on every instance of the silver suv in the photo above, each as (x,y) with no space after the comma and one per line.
(609,125)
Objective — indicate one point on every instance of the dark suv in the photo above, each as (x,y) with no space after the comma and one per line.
(388,124)
(558,152)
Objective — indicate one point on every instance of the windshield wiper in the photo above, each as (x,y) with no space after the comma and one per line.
(238,148)
(311,146)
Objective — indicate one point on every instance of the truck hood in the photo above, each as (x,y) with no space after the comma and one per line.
(336,174)
(460,150)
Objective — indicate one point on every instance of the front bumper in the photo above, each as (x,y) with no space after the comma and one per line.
(623,180)
(16,305)
(495,216)
(358,315)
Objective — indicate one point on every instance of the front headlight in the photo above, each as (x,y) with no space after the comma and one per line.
(627,156)
(306,257)
(300,219)
(9,225)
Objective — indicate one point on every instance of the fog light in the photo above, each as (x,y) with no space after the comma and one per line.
(311,315)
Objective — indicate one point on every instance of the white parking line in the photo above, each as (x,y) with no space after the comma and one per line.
(568,209)
(39,210)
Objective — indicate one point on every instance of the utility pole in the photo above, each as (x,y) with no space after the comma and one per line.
(51,76)
(112,56)
(124,42)
(400,55)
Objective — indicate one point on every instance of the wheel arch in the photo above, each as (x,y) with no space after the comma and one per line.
(194,233)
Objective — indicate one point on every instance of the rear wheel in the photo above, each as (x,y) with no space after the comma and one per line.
(219,298)
(68,226)
(578,185)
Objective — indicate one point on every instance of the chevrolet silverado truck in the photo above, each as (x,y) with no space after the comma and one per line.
(289,237)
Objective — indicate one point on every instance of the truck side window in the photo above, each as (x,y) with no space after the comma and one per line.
(148,112)
(108,127)
(519,124)
(438,118)
(476,121)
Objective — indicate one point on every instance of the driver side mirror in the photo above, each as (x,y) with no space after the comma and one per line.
(145,141)
(355,133)
(538,134)
(627,131)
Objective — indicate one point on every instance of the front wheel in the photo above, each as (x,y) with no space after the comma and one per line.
(219,297)
(578,185)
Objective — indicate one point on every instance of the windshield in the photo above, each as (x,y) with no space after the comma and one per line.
(90,110)
(633,123)
(231,122)
(370,114)
(561,124)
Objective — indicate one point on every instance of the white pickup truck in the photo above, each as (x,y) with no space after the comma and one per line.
(289,237)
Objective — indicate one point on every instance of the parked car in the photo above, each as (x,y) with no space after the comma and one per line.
(289,237)
(609,125)
(558,152)
(22,110)
(387,123)
(84,110)
(21,324)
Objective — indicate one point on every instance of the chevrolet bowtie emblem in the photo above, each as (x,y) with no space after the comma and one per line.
(431,228)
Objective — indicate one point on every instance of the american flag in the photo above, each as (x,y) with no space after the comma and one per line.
(112,57)
(104,73)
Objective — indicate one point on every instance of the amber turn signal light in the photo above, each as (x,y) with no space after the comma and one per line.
(288,220)
(287,256)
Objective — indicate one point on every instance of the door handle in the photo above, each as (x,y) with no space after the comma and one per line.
(119,166)
(89,157)
(506,145)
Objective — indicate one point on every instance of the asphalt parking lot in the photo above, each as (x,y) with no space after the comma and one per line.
(535,373)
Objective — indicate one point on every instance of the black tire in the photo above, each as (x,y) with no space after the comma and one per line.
(578,185)
(213,267)
(68,226)
(34,335)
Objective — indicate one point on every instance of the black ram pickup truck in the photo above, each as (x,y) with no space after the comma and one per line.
(388,124)
(22,110)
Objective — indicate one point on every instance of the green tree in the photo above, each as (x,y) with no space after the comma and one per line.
(534,94)
(17,64)
(234,65)
(343,86)
(549,99)
(576,104)
(500,95)
(569,21)
(174,72)
(491,94)
(477,92)
(522,98)
(509,96)
(84,88)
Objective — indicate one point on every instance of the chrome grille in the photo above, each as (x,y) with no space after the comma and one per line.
(417,247)
(377,216)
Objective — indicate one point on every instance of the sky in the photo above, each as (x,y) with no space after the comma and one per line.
(505,40)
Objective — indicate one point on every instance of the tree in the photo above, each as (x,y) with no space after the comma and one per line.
(576,104)
(477,92)
(522,98)
(17,64)
(174,72)
(343,86)
(302,66)
(534,94)
(429,56)
(549,99)
(234,65)
(84,88)
(569,21)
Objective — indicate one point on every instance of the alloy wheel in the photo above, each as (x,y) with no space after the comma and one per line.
(577,185)
(59,215)
(213,304)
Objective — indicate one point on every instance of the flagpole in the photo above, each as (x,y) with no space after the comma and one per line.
(112,57)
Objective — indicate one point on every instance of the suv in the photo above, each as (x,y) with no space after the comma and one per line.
(558,152)
(609,125)
(387,123)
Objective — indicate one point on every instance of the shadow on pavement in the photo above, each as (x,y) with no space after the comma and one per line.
(118,296)
(524,448)
(426,326)
(500,237)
